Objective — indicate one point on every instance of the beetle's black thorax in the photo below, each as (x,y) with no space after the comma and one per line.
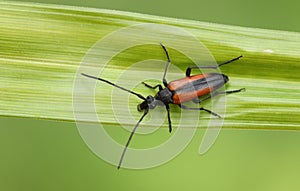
(165,96)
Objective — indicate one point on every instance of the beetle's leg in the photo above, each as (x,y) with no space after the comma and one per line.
(189,69)
(229,61)
(153,87)
(218,93)
(229,91)
(167,65)
(200,108)
(169,118)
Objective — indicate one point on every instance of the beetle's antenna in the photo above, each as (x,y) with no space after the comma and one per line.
(115,85)
(130,137)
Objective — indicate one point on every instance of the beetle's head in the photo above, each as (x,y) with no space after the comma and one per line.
(149,103)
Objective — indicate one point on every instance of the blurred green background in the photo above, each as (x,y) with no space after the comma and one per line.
(49,155)
(279,14)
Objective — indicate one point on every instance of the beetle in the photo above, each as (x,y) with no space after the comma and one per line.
(189,88)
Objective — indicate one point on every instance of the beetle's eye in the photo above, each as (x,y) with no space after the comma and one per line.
(149,98)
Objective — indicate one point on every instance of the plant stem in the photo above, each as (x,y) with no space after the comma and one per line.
(41,47)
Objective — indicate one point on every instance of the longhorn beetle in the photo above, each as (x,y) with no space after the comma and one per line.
(177,92)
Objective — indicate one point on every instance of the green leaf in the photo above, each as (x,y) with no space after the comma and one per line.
(41,47)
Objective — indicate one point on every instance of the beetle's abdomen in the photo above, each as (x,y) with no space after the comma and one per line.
(189,88)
